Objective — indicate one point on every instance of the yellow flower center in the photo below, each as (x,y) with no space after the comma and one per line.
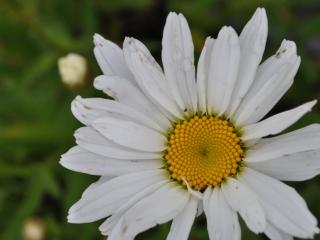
(203,151)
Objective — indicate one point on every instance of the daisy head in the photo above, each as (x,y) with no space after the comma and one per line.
(177,141)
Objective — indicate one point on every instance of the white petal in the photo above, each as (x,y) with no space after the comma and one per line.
(244,201)
(277,123)
(200,208)
(293,167)
(93,141)
(150,77)
(160,207)
(252,43)
(224,65)
(304,139)
(110,58)
(95,185)
(202,74)
(130,134)
(86,110)
(107,197)
(276,234)
(127,93)
(222,221)
(108,226)
(117,233)
(283,206)
(80,160)
(181,224)
(178,61)
(273,79)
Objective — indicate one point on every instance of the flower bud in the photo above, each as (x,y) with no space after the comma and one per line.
(33,229)
(73,70)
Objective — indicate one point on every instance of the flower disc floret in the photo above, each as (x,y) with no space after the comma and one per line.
(203,151)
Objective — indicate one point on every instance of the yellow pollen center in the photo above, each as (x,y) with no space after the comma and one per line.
(203,151)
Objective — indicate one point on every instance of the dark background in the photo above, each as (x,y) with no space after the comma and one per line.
(36,125)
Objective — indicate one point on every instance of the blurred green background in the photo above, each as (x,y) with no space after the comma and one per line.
(36,124)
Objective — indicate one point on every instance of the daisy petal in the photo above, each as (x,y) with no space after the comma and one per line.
(293,167)
(91,140)
(117,233)
(200,208)
(123,91)
(160,207)
(182,223)
(273,79)
(107,197)
(277,123)
(178,61)
(93,186)
(149,76)
(222,221)
(202,74)
(276,234)
(86,110)
(224,66)
(80,160)
(252,43)
(119,89)
(304,139)
(110,58)
(283,206)
(244,201)
(130,134)
(107,226)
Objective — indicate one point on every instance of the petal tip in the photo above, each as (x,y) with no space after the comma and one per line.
(98,40)
(98,82)
(72,219)
(287,47)
(313,103)
(172,15)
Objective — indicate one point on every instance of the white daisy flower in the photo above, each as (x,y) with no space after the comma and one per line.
(176,142)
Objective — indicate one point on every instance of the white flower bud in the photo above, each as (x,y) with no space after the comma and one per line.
(73,69)
(33,229)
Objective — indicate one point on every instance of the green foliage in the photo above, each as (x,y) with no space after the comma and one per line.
(36,125)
